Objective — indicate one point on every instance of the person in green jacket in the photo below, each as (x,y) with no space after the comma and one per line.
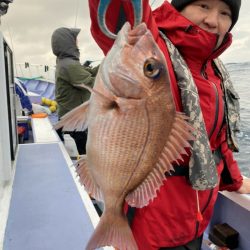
(69,75)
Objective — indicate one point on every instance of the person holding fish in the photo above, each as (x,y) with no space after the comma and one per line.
(192,35)
(162,121)
(69,74)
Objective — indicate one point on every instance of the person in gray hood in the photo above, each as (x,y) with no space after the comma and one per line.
(69,75)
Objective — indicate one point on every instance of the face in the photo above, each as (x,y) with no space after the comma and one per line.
(214,16)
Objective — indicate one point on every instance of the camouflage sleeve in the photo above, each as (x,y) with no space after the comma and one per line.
(232,107)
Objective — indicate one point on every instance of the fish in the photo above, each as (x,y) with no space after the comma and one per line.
(134,133)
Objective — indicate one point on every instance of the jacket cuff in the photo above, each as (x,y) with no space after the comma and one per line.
(231,178)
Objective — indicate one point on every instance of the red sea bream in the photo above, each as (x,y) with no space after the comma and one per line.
(134,133)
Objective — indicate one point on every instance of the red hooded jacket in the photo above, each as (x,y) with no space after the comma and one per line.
(171,218)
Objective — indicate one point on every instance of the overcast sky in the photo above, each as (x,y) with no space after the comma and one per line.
(28,26)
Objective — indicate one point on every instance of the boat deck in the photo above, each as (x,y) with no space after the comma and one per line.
(48,209)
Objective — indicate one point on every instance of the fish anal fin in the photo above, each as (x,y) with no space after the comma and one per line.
(178,140)
(147,191)
(112,231)
(87,180)
(76,119)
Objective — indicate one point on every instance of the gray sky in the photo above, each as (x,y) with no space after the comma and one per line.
(28,26)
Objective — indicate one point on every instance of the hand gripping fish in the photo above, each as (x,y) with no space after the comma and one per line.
(134,133)
(101,13)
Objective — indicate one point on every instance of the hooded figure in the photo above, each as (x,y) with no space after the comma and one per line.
(70,74)
(69,71)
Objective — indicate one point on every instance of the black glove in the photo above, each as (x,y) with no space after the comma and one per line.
(87,63)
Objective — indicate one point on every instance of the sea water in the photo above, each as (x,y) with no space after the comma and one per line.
(240,74)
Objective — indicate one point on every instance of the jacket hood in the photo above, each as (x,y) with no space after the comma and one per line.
(193,42)
(63,43)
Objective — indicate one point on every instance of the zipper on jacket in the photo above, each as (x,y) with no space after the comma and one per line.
(216,109)
(204,75)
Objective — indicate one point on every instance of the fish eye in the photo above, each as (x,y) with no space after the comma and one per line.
(152,68)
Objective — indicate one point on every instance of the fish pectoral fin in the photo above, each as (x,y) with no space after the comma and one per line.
(87,180)
(178,139)
(126,104)
(76,119)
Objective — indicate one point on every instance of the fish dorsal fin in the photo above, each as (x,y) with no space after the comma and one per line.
(178,138)
(76,119)
(87,180)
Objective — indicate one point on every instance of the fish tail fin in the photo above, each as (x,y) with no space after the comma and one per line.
(112,231)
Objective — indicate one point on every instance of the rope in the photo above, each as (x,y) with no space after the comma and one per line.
(76,15)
